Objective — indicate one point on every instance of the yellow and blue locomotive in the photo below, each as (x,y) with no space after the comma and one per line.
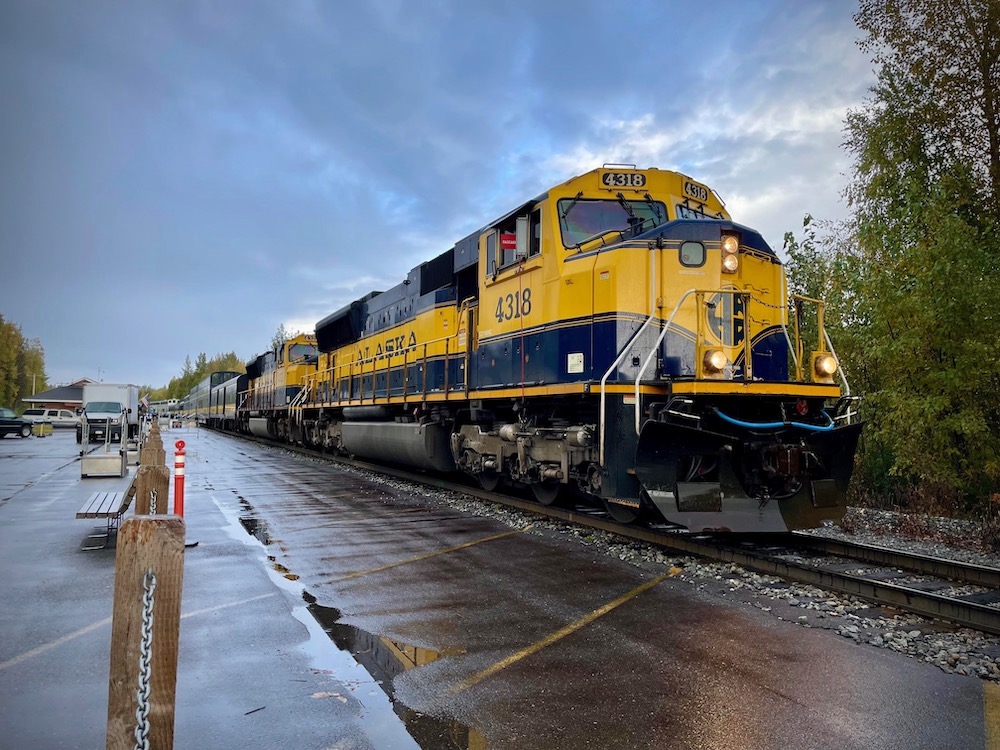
(273,382)
(618,336)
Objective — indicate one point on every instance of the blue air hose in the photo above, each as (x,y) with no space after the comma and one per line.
(774,425)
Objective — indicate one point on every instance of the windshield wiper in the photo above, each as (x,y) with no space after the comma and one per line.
(653,205)
(571,204)
(634,222)
(626,206)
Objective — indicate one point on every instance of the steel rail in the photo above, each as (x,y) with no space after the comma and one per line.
(923,564)
(957,611)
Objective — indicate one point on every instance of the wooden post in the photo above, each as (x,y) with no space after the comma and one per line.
(152,453)
(151,543)
(152,478)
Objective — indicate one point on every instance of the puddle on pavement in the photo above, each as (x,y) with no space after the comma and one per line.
(256,528)
(383,659)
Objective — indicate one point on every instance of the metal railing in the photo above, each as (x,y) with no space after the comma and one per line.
(795,349)
(356,371)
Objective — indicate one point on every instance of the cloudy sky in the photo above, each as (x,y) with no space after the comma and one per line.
(183,177)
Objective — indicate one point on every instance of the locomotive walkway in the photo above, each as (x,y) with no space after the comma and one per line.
(257,669)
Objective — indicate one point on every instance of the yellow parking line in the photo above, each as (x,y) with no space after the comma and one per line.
(559,634)
(107,621)
(379,569)
(991,714)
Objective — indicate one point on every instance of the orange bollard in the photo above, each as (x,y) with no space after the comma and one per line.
(179,478)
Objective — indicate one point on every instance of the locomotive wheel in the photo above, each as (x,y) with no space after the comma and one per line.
(621,513)
(546,493)
(488,480)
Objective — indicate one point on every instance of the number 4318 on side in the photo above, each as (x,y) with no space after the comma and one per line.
(513,305)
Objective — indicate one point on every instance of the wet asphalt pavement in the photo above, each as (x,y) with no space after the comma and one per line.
(316,596)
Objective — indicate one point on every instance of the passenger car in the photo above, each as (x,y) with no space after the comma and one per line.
(11,424)
(57,417)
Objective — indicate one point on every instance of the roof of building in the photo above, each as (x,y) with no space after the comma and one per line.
(64,394)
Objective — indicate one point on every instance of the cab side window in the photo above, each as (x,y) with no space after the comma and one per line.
(535,233)
(491,253)
(513,240)
(508,242)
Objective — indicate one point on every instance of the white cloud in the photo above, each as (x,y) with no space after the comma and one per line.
(265,163)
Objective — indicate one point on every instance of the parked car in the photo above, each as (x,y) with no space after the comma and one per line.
(57,417)
(11,424)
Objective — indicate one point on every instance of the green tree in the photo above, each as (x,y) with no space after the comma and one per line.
(33,378)
(949,50)
(280,337)
(911,272)
(228,361)
(11,348)
(22,365)
(909,275)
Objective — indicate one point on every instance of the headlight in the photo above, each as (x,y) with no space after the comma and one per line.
(824,367)
(730,253)
(715,361)
(115,421)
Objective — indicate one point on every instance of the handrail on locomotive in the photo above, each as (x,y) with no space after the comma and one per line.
(336,376)
(796,352)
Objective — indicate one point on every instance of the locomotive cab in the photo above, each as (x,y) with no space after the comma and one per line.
(276,384)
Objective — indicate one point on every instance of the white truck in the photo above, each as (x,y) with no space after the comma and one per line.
(110,410)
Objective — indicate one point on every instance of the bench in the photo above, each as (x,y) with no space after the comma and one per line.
(110,506)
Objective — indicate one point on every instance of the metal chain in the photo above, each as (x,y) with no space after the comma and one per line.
(145,659)
(152,502)
(762,303)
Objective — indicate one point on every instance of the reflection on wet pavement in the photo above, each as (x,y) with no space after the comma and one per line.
(384,659)
(256,528)
(381,657)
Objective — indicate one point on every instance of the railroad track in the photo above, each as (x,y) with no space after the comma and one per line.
(923,585)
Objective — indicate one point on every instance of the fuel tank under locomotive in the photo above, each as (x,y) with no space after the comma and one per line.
(422,446)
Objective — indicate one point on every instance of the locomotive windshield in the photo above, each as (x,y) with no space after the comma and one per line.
(298,352)
(697,212)
(582,219)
